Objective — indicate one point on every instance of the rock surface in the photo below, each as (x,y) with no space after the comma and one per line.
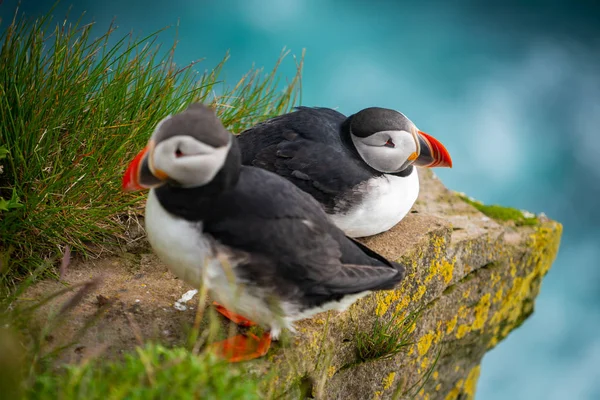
(472,279)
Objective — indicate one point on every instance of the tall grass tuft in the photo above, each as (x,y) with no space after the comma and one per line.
(386,339)
(74,110)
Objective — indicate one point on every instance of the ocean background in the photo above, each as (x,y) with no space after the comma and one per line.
(512,88)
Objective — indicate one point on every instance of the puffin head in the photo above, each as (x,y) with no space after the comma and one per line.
(187,150)
(389,142)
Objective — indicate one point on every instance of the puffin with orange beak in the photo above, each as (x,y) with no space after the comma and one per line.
(265,249)
(361,168)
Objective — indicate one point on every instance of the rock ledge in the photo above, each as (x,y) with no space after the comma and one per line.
(473,279)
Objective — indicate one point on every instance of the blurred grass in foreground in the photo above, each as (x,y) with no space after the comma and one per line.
(153,372)
(74,110)
(30,366)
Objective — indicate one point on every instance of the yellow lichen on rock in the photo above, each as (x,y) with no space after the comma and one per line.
(425,342)
(388,381)
(513,267)
(498,296)
(446,269)
(496,278)
(440,266)
(465,387)
(385,299)
(482,310)
(456,390)
(331,371)
(471,382)
(544,244)
(453,394)
(419,293)
(462,331)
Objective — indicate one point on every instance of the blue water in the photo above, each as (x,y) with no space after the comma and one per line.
(512,89)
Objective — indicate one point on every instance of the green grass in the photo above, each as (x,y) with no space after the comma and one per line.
(413,391)
(74,110)
(500,213)
(153,372)
(386,339)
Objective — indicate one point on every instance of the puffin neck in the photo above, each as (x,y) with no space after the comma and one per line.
(345,136)
(195,204)
(345,133)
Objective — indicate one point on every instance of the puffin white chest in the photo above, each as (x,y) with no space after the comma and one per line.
(186,251)
(385,201)
(178,243)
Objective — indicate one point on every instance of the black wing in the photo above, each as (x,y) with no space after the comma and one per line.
(296,244)
(321,125)
(306,147)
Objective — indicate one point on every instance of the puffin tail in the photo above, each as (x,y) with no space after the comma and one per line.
(360,278)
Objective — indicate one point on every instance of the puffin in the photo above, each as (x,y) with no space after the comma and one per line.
(265,249)
(361,168)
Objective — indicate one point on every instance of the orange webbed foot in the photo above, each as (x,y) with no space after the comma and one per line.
(243,348)
(236,318)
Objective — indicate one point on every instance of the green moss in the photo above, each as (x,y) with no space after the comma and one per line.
(500,213)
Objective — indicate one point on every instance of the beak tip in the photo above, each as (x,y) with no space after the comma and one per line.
(128,185)
(447,160)
(128,188)
(438,152)
(130,181)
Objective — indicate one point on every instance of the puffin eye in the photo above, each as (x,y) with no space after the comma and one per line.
(178,153)
(389,143)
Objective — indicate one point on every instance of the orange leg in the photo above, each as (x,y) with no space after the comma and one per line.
(243,348)
(238,319)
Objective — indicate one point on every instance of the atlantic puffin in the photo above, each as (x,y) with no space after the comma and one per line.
(361,168)
(265,249)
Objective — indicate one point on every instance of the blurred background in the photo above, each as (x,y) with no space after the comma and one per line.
(512,88)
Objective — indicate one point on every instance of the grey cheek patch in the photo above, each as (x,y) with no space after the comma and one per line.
(146,178)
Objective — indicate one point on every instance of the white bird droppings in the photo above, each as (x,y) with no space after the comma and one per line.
(187,296)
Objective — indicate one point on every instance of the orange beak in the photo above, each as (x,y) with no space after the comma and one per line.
(138,175)
(432,153)
(131,179)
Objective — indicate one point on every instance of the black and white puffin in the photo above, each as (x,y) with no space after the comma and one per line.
(265,249)
(360,168)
